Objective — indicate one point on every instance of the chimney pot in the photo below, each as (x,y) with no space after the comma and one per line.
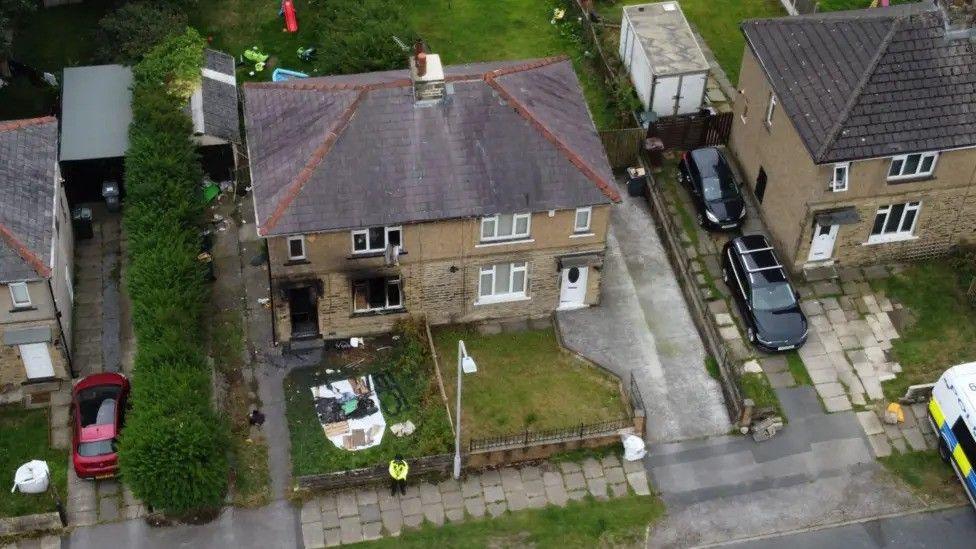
(421,64)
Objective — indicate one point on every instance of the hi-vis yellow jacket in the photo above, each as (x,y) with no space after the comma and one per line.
(399,469)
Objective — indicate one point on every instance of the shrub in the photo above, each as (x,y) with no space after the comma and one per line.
(357,36)
(128,33)
(173,450)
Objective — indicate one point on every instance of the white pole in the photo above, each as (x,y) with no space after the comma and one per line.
(462,351)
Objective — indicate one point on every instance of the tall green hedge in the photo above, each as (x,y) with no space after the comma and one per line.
(173,451)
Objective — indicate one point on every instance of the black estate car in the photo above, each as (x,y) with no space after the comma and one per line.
(713,187)
(767,300)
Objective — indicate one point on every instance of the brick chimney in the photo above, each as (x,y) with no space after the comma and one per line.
(427,74)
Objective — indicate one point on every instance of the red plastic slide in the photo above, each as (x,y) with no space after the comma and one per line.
(291,19)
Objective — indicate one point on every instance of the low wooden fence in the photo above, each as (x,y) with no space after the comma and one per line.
(529,438)
(691,131)
(623,146)
(699,310)
(439,464)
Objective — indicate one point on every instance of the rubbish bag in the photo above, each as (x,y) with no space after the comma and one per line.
(633,447)
(32,477)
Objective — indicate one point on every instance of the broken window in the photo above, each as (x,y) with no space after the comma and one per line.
(375,239)
(377,294)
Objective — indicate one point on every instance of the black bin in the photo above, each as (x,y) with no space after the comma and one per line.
(81,222)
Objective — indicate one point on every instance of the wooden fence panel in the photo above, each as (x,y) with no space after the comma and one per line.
(692,131)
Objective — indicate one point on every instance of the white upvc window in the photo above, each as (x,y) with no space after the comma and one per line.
(376,239)
(19,295)
(895,222)
(841,174)
(581,223)
(296,247)
(505,227)
(770,109)
(503,282)
(377,294)
(909,166)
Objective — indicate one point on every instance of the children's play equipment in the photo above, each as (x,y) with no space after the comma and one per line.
(291,19)
(256,56)
(280,75)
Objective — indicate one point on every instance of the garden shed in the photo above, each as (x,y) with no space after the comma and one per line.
(662,56)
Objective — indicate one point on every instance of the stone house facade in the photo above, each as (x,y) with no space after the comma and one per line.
(36,264)
(461,193)
(854,156)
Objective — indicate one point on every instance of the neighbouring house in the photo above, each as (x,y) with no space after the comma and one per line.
(463,193)
(856,131)
(36,250)
(96,110)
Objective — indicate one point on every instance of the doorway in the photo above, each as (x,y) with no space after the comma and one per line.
(572,289)
(303,309)
(822,245)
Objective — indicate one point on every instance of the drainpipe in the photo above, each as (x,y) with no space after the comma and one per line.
(64,344)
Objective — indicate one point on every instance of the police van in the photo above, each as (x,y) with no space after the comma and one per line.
(952,411)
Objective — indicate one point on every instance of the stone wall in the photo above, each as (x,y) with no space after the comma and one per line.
(13,374)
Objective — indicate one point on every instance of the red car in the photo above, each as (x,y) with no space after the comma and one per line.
(98,404)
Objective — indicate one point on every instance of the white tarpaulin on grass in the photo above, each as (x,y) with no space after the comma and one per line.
(372,426)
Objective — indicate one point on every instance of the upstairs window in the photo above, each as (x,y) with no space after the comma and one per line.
(376,239)
(505,227)
(910,166)
(19,295)
(838,182)
(895,222)
(582,221)
(296,247)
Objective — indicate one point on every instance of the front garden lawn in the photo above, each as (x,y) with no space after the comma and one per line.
(620,522)
(931,478)
(945,332)
(313,453)
(23,437)
(524,381)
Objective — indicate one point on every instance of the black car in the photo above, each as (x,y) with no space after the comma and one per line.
(713,187)
(764,294)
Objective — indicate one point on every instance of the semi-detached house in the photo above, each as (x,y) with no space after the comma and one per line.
(856,132)
(462,193)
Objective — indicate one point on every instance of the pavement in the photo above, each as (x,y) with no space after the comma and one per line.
(818,470)
(643,327)
(948,529)
(371,513)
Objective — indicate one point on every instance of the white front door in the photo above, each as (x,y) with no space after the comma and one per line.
(37,360)
(572,292)
(822,246)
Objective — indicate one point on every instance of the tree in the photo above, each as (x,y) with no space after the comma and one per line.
(10,11)
(128,33)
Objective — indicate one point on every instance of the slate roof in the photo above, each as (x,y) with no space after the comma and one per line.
(870,83)
(28,171)
(351,151)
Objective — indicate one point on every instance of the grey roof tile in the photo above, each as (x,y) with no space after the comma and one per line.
(28,170)
(869,83)
(395,161)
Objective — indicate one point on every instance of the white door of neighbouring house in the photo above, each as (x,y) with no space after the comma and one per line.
(822,246)
(572,290)
(37,360)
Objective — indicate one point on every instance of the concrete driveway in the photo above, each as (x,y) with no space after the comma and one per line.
(643,327)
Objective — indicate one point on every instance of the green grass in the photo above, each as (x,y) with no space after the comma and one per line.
(837,5)
(312,452)
(711,366)
(23,437)
(619,522)
(799,370)
(580,454)
(716,20)
(945,334)
(525,381)
(928,476)
(757,387)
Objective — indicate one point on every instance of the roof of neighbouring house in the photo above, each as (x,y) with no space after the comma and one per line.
(216,99)
(870,83)
(96,109)
(28,186)
(352,151)
(667,38)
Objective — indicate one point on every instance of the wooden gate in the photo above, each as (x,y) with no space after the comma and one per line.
(692,131)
